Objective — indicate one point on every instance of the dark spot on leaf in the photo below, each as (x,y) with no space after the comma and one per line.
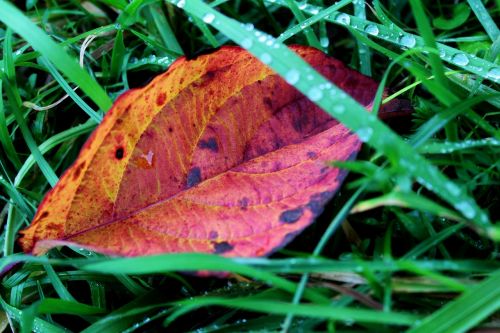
(243,203)
(170,129)
(44,215)
(323,196)
(289,237)
(291,215)
(193,177)
(213,234)
(119,153)
(311,154)
(318,201)
(211,144)
(222,247)
(160,99)
(268,102)
(127,109)
(210,75)
(316,207)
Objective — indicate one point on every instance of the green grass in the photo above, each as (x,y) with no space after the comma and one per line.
(412,242)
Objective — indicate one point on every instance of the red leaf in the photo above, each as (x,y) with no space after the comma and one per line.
(217,155)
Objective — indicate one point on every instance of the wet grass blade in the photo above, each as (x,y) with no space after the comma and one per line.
(466,311)
(39,40)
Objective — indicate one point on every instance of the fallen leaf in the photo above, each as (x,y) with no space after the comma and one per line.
(216,155)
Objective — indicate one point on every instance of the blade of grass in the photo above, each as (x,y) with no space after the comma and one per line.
(117,55)
(364,53)
(405,40)
(15,102)
(164,29)
(96,117)
(474,305)
(60,289)
(205,31)
(312,40)
(144,265)
(407,200)
(312,20)
(485,19)
(309,310)
(39,40)
(8,68)
(39,325)
(425,29)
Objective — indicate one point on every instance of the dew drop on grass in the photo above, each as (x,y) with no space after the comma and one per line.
(338,109)
(460,59)
(466,208)
(364,133)
(181,3)
(315,94)
(248,26)
(292,76)
(208,18)
(266,58)
(343,18)
(407,41)
(452,188)
(247,43)
(324,41)
(372,29)
(494,73)
(303,5)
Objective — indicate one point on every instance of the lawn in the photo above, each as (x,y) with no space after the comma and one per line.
(410,242)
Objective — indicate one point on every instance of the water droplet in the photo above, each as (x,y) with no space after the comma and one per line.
(372,29)
(247,43)
(452,188)
(338,109)
(494,73)
(460,59)
(324,41)
(266,58)
(248,26)
(466,208)
(208,18)
(262,38)
(292,76)
(315,94)
(303,5)
(364,134)
(343,18)
(181,3)
(407,40)
(314,11)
